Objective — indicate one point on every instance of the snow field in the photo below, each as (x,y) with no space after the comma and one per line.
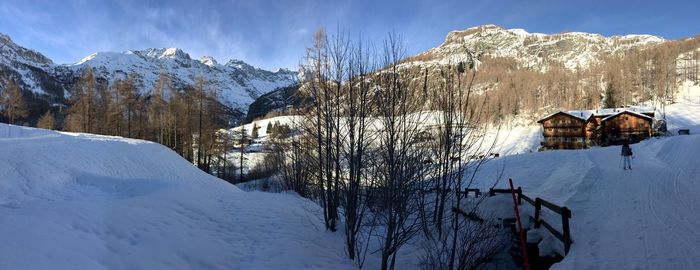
(79,201)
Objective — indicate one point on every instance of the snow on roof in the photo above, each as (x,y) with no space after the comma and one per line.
(630,112)
(577,114)
(584,114)
(611,111)
(606,112)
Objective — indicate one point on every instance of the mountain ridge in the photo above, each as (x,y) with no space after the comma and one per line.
(572,49)
(237,83)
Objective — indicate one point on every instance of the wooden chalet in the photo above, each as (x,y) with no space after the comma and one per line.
(582,129)
(563,130)
(626,126)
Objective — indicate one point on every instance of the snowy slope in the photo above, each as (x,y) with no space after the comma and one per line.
(572,49)
(686,112)
(237,83)
(645,218)
(30,69)
(79,201)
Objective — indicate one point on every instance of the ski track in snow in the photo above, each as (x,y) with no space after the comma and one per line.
(644,218)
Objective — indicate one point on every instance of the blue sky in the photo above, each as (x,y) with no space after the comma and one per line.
(272,34)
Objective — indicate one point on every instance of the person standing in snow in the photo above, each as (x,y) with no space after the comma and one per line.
(626,155)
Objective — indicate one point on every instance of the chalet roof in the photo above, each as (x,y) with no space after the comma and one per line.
(604,113)
(578,116)
(630,112)
(612,111)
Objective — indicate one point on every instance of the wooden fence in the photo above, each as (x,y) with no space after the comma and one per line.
(565,235)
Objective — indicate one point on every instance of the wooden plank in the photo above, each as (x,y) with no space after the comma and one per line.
(551,229)
(476,192)
(566,214)
(473,216)
(493,191)
(538,208)
(551,206)
(528,199)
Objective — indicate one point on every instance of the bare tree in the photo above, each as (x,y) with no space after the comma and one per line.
(13,103)
(321,124)
(158,106)
(47,121)
(399,174)
(82,109)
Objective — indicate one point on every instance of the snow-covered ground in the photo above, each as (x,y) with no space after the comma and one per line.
(79,201)
(645,218)
(516,139)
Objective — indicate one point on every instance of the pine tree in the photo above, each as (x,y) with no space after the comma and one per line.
(254,134)
(610,101)
(269,129)
(13,103)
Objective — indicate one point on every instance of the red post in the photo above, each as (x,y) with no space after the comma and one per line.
(521,233)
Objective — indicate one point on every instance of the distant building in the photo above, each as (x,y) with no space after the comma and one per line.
(582,129)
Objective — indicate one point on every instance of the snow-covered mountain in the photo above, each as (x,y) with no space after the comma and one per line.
(237,82)
(572,49)
(32,70)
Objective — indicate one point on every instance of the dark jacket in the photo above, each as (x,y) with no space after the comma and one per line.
(626,150)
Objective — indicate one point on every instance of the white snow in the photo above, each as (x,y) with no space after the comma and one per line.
(237,84)
(645,218)
(80,201)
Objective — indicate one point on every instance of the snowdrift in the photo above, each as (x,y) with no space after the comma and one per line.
(80,201)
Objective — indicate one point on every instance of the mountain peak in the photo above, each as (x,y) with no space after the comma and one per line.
(163,53)
(572,49)
(208,60)
(10,50)
(5,39)
(240,64)
(174,53)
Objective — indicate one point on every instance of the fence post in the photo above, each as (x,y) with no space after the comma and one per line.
(565,215)
(520,195)
(478,193)
(538,207)
(491,192)
(466,192)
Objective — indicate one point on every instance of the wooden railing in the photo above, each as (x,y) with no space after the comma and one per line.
(565,235)
(466,191)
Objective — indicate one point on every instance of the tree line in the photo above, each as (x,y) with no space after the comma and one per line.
(187,120)
(649,76)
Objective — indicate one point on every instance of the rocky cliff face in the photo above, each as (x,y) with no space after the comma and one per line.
(573,49)
(30,69)
(237,83)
